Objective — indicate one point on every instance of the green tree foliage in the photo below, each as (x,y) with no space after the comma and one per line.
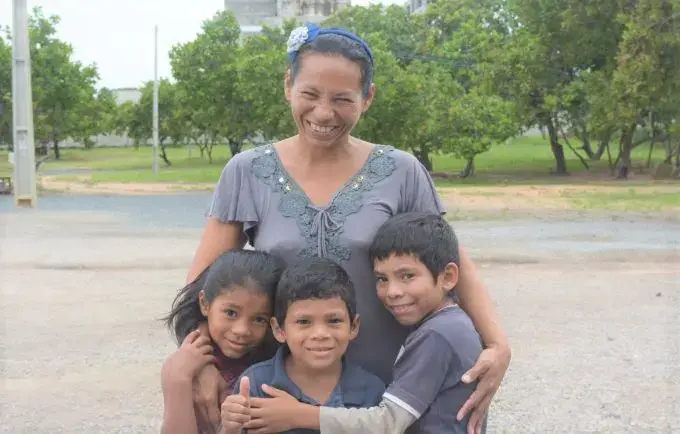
(66,103)
(600,77)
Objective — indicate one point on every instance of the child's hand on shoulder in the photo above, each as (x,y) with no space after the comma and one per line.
(184,364)
(236,409)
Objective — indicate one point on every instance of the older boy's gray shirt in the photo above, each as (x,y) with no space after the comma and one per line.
(427,382)
(279,218)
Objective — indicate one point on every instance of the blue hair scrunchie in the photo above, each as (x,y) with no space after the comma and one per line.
(310,31)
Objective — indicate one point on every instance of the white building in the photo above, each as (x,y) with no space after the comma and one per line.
(417,6)
(252,14)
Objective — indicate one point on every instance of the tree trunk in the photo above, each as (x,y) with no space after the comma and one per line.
(55,148)
(625,146)
(469,169)
(668,148)
(556,148)
(423,155)
(235,146)
(164,155)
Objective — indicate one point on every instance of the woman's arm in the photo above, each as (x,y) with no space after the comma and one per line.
(218,237)
(493,363)
(475,300)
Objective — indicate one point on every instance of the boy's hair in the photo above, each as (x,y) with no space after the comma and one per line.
(426,236)
(255,270)
(313,279)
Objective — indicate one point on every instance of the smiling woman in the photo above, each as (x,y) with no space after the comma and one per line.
(325,193)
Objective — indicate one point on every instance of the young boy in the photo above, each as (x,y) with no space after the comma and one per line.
(314,319)
(415,258)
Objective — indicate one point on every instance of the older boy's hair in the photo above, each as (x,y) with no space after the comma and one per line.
(426,236)
(313,278)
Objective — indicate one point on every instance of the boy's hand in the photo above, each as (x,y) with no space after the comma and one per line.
(273,415)
(236,409)
(185,363)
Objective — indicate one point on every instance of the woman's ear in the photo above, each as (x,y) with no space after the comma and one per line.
(287,85)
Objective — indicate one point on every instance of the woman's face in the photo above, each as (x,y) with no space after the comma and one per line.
(326,98)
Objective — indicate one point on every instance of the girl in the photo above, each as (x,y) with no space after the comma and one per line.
(234,298)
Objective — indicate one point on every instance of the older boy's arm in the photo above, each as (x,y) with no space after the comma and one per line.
(386,418)
(178,408)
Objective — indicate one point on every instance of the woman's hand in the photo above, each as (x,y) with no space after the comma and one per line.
(275,414)
(489,370)
(209,386)
(185,363)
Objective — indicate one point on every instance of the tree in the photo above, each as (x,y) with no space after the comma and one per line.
(207,74)
(137,119)
(554,44)
(61,86)
(646,78)
(5,91)
(401,30)
(261,69)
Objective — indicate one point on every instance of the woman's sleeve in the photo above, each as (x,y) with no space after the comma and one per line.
(420,194)
(233,200)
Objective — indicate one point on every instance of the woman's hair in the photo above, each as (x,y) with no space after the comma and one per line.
(350,47)
(252,269)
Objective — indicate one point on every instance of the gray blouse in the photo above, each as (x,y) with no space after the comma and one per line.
(277,216)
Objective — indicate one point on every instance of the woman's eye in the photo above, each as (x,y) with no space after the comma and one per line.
(262,320)
(231,313)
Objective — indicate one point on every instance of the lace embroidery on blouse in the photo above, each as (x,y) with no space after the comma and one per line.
(322,226)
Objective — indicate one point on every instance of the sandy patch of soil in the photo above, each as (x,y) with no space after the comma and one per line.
(530,198)
(83,185)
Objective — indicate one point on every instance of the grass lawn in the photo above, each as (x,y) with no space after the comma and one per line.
(525,159)
(630,199)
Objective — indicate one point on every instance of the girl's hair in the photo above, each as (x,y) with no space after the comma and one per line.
(252,269)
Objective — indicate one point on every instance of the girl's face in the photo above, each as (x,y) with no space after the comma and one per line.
(238,319)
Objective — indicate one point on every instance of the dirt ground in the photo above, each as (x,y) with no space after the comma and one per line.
(592,308)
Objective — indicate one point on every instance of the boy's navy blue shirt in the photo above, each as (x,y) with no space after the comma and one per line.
(356,388)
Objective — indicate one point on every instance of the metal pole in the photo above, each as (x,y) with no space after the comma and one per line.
(155,102)
(25,190)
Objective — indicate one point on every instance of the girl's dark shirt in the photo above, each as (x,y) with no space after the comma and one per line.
(231,369)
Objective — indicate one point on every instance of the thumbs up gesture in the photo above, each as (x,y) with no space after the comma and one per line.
(236,409)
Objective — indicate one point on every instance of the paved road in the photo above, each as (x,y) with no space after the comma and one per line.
(592,308)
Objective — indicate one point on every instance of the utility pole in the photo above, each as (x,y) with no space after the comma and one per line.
(155,101)
(25,191)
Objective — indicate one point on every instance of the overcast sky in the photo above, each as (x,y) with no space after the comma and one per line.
(117,35)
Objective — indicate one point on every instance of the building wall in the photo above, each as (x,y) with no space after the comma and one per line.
(251,12)
(417,6)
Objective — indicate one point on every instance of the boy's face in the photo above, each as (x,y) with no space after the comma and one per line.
(408,290)
(317,331)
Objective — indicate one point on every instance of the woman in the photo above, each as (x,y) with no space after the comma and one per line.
(324,192)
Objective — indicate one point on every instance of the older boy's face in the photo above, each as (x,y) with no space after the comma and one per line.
(408,290)
(317,331)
